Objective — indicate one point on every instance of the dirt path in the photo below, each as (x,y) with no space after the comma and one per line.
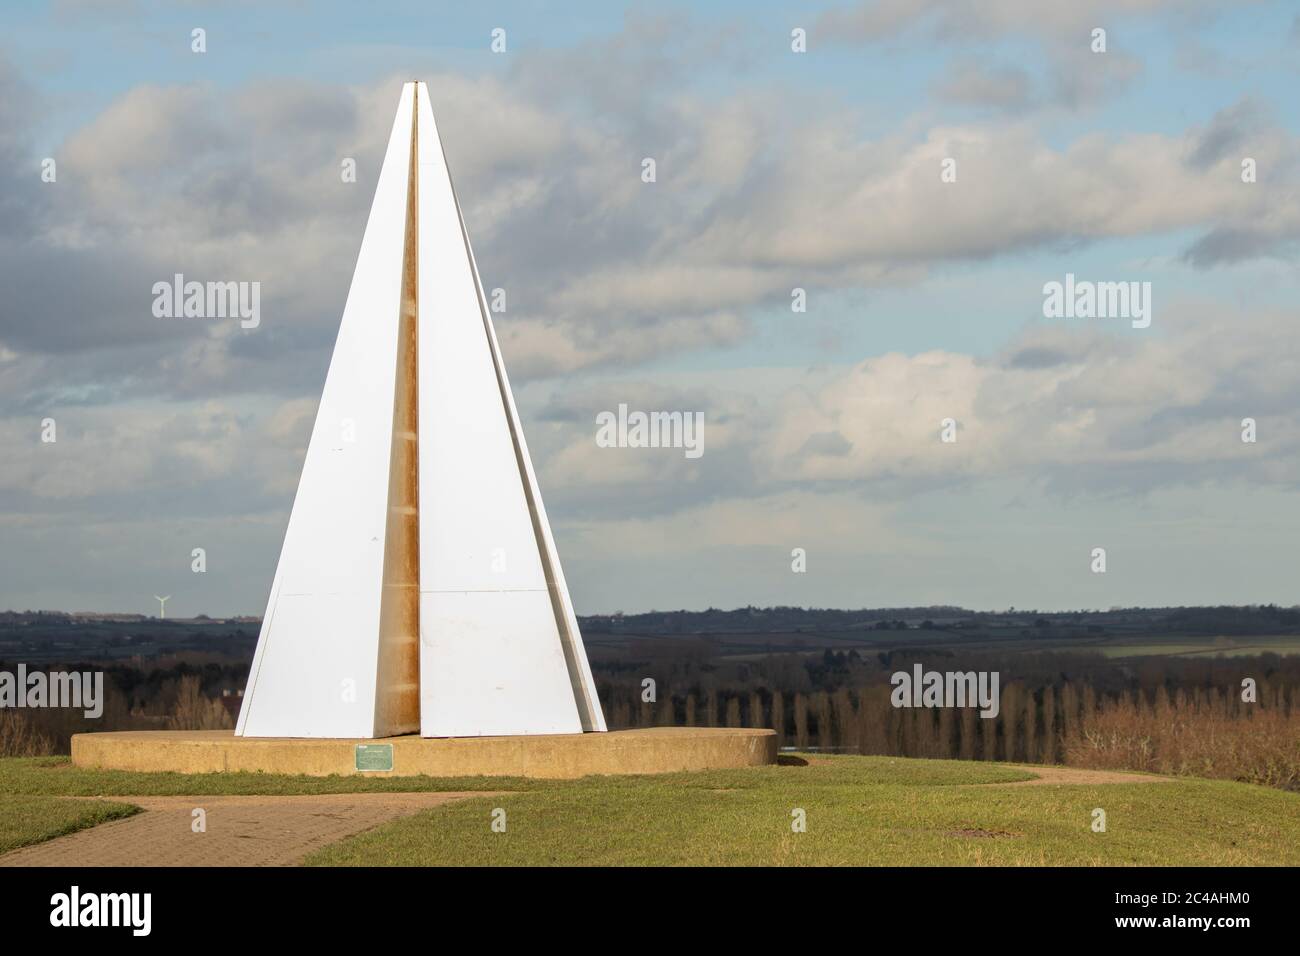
(241,831)
(1075,775)
(1045,775)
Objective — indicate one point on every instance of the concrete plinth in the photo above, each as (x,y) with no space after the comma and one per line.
(651,750)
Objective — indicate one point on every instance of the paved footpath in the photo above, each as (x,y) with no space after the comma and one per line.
(241,831)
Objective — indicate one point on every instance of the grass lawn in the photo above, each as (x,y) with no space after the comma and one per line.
(25,820)
(58,777)
(859,810)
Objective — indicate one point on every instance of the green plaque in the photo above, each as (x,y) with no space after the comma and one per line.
(374,756)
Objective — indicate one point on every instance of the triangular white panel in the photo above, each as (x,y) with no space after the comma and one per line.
(497,632)
(315,668)
(418,507)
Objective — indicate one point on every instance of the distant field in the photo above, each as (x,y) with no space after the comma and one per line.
(757,647)
(1209,646)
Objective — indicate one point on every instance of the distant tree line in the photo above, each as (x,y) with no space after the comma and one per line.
(1227,619)
(1173,715)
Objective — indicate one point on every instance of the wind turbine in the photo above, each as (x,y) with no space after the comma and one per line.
(162,606)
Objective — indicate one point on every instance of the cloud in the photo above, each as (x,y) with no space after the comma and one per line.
(169,426)
(601,269)
(1226,133)
(752,199)
(232,458)
(1229,245)
(1071,75)
(1077,409)
(1071,408)
(826,444)
(837,207)
(965,20)
(974,83)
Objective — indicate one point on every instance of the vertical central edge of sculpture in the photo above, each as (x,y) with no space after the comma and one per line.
(418,588)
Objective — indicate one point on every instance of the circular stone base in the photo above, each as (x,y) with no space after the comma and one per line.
(650,750)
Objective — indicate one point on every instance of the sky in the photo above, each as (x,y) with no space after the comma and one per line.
(921,170)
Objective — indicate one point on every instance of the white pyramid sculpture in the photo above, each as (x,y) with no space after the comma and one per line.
(418,588)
